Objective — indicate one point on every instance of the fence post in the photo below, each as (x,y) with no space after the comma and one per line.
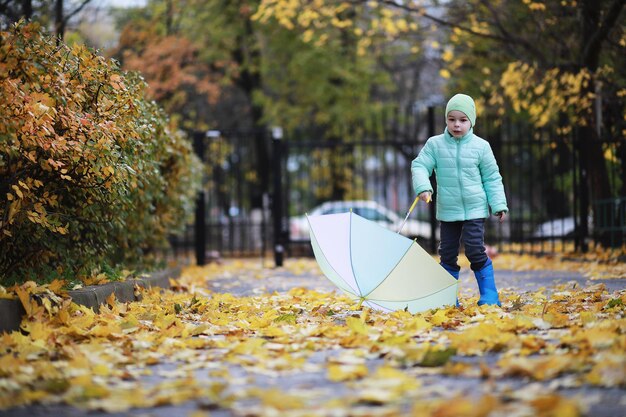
(200,220)
(582,231)
(433,180)
(277,199)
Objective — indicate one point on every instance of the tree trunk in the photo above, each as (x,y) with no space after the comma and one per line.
(594,178)
(341,163)
(59,20)
(27,9)
(263,157)
(593,33)
(247,57)
(169,17)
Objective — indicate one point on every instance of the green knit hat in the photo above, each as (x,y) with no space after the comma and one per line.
(464,104)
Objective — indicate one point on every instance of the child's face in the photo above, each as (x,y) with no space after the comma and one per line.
(458,123)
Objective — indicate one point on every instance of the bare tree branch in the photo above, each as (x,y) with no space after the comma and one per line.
(76,11)
(511,40)
(611,17)
(422,12)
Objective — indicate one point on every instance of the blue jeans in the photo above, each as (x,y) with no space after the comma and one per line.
(472,234)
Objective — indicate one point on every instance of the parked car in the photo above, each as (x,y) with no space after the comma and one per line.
(558,228)
(371,210)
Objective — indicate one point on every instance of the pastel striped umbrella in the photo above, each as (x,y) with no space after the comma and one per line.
(377,267)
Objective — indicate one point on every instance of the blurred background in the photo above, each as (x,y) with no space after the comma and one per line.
(320,106)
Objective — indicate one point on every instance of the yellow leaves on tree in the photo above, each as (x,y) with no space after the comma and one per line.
(321,22)
(546,95)
(535,5)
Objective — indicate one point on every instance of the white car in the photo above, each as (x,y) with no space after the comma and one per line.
(559,228)
(371,210)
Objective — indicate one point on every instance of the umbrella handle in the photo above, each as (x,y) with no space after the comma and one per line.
(414,204)
(408,213)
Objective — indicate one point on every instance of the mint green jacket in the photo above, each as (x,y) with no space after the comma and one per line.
(468,179)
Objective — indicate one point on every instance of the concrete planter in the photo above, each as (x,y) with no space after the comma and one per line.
(12,311)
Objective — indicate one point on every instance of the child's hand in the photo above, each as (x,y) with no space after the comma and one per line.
(426,196)
(501,215)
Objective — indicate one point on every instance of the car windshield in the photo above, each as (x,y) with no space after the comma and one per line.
(334,210)
(371,214)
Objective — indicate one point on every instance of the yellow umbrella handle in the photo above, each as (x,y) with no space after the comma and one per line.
(408,213)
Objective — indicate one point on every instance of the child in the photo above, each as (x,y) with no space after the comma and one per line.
(468,185)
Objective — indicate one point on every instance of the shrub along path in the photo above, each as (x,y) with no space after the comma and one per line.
(241,339)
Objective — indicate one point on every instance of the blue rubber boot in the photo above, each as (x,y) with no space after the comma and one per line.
(487,285)
(454,272)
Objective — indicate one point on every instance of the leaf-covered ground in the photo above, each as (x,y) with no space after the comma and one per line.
(242,339)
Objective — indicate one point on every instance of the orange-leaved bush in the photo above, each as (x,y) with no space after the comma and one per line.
(90,172)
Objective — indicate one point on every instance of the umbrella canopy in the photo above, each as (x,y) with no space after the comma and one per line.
(379,268)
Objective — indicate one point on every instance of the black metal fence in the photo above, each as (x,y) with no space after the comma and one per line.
(541,173)
(227,223)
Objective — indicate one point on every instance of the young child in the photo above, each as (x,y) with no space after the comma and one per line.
(468,185)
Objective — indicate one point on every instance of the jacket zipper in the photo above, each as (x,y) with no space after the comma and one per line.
(458,174)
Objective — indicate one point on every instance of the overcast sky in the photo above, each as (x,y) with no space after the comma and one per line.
(125,3)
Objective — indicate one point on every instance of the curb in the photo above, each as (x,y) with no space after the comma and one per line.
(12,311)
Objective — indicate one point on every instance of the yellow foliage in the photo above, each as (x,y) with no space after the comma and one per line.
(545,96)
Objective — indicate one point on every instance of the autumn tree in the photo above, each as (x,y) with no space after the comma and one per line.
(229,40)
(90,172)
(176,78)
